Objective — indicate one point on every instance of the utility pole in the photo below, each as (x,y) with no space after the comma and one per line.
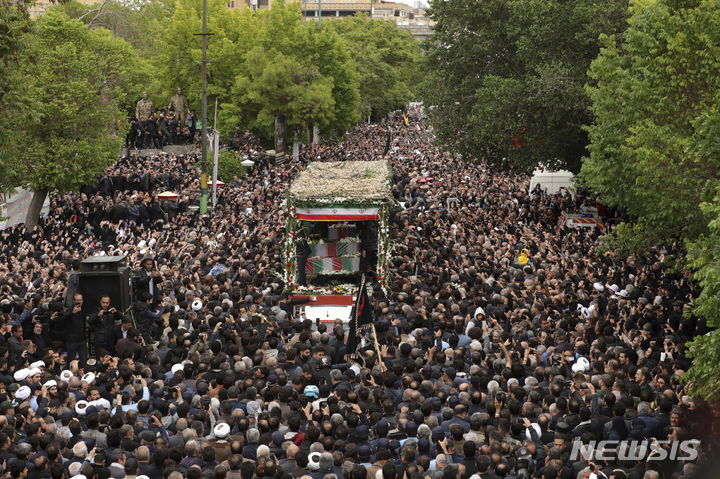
(203,130)
(320,13)
(215,121)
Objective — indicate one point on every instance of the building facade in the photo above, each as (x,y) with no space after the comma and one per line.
(41,6)
(407,17)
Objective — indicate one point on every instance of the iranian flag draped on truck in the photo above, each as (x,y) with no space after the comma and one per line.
(337,228)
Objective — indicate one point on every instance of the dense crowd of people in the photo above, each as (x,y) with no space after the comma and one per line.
(506,340)
(159,130)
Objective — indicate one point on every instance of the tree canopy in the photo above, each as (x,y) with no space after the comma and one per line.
(387,60)
(294,71)
(653,144)
(505,78)
(230,166)
(179,50)
(15,104)
(704,257)
(78,77)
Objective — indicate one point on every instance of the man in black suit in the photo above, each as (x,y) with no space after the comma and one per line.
(469,459)
(74,322)
(130,347)
(104,320)
(147,280)
(145,316)
(121,330)
(483,468)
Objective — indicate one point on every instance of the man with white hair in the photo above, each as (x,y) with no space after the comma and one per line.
(326,464)
(74,468)
(80,452)
(192,456)
(493,387)
(437,466)
(263,451)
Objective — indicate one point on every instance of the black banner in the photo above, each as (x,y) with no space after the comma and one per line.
(360,320)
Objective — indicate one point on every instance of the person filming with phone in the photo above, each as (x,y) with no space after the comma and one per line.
(74,323)
(103,320)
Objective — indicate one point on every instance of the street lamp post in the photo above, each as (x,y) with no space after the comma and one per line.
(203,129)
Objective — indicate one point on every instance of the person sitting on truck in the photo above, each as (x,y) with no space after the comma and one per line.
(302,250)
(368,245)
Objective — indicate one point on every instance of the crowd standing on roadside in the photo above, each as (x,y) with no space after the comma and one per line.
(506,340)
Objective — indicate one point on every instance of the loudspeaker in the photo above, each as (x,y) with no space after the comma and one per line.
(95,284)
(102,263)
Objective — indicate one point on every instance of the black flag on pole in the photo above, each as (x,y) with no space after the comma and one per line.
(360,320)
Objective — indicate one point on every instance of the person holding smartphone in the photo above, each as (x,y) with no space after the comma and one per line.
(74,323)
(103,320)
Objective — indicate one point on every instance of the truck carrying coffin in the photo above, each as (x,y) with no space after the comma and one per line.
(337,227)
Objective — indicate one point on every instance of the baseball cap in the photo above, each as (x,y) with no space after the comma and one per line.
(364,451)
(523,453)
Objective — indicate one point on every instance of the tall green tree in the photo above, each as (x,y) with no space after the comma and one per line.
(140,23)
(281,88)
(79,77)
(704,257)
(179,51)
(230,166)
(296,74)
(653,144)
(505,77)
(17,101)
(387,60)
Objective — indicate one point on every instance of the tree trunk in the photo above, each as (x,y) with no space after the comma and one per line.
(279,136)
(316,134)
(36,204)
(296,146)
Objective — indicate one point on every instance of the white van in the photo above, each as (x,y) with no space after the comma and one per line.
(552,181)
